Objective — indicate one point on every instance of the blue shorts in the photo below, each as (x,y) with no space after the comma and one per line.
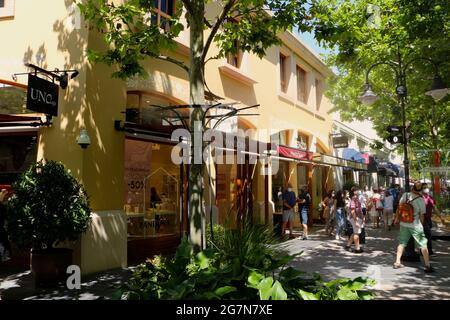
(304,215)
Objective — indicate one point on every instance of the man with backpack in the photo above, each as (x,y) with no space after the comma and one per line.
(410,214)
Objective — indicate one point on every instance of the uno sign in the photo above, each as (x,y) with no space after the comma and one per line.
(42,96)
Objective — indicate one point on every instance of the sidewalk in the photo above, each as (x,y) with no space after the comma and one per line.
(321,254)
(104,285)
(328,257)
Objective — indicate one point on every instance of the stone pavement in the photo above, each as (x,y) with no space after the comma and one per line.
(320,253)
(327,256)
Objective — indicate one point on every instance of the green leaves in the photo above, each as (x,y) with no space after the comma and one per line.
(226,272)
(267,288)
(48,206)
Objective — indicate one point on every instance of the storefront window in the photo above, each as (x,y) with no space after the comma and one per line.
(17,153)
(227,191)
(279,182)
(152,189)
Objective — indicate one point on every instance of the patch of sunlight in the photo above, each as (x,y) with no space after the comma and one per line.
(8,284)
(88,296)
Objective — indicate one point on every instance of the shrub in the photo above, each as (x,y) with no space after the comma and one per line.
(48,206)
(243,265)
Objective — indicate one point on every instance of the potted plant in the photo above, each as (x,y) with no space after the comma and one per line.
(48,207)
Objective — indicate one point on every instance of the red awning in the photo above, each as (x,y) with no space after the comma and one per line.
(294,153)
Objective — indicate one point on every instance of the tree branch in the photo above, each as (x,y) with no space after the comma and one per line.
(188,6)
(216,26)
(168,59)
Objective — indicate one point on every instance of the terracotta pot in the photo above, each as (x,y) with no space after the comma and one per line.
(49,266)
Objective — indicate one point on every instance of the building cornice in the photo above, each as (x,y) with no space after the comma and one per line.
(297,45)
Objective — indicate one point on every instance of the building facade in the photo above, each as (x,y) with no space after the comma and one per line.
(137,192)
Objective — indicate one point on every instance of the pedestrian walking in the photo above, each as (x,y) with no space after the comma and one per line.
(339,211)
(289,201)
(376,208)
(304,200)
(430,207)
(329,209)
(356,219)
(415,210)
(388,209)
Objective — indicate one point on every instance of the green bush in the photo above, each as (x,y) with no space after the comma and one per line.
(48,206)
(243,265)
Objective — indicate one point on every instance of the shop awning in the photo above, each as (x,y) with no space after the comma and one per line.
(297,154)
(339,162)
(353,155)
(388,169)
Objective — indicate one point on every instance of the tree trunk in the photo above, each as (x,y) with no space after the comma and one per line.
(197,97)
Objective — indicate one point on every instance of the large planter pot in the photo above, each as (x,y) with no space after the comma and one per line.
(49,266)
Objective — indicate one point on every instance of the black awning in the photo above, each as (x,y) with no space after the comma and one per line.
(387,169)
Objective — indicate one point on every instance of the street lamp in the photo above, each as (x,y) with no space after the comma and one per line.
(437,91)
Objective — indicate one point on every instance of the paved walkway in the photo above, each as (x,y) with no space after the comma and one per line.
(320,254)
(329,258)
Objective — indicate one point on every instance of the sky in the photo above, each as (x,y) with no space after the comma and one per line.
(308,37)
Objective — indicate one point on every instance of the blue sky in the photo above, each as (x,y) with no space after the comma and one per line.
(308,37)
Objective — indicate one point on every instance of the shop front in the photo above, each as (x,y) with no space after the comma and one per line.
(237,180)
(295,168)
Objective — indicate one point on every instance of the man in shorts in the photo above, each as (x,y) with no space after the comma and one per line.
(414,229)
(289,201)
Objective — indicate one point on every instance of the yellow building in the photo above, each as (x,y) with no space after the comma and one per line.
(137,193)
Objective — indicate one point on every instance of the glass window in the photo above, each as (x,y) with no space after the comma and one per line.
(12,98)
(6,8)
(164,10)
(301,85)
(235,59)
(283,73)
(318,94)
(17,153)
(152,189)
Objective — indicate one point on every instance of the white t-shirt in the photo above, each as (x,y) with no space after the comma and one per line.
(389,203)
(419,208)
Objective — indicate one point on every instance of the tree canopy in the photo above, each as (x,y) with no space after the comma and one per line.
(364,32)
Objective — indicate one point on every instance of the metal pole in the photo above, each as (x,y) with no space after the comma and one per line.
(405,145)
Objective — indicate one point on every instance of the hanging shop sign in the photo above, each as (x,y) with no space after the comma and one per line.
(295,153)
(340,142)
(42,95)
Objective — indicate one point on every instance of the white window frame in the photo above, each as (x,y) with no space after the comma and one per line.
(8,10)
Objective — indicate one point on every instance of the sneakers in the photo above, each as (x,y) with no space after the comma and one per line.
(358,250)
(337,237)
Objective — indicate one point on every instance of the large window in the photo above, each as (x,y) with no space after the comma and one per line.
(235,59)
(283,73)
(6,8)
(301,85)
(318,94)
(152,189)
(163,11)
(17,152)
